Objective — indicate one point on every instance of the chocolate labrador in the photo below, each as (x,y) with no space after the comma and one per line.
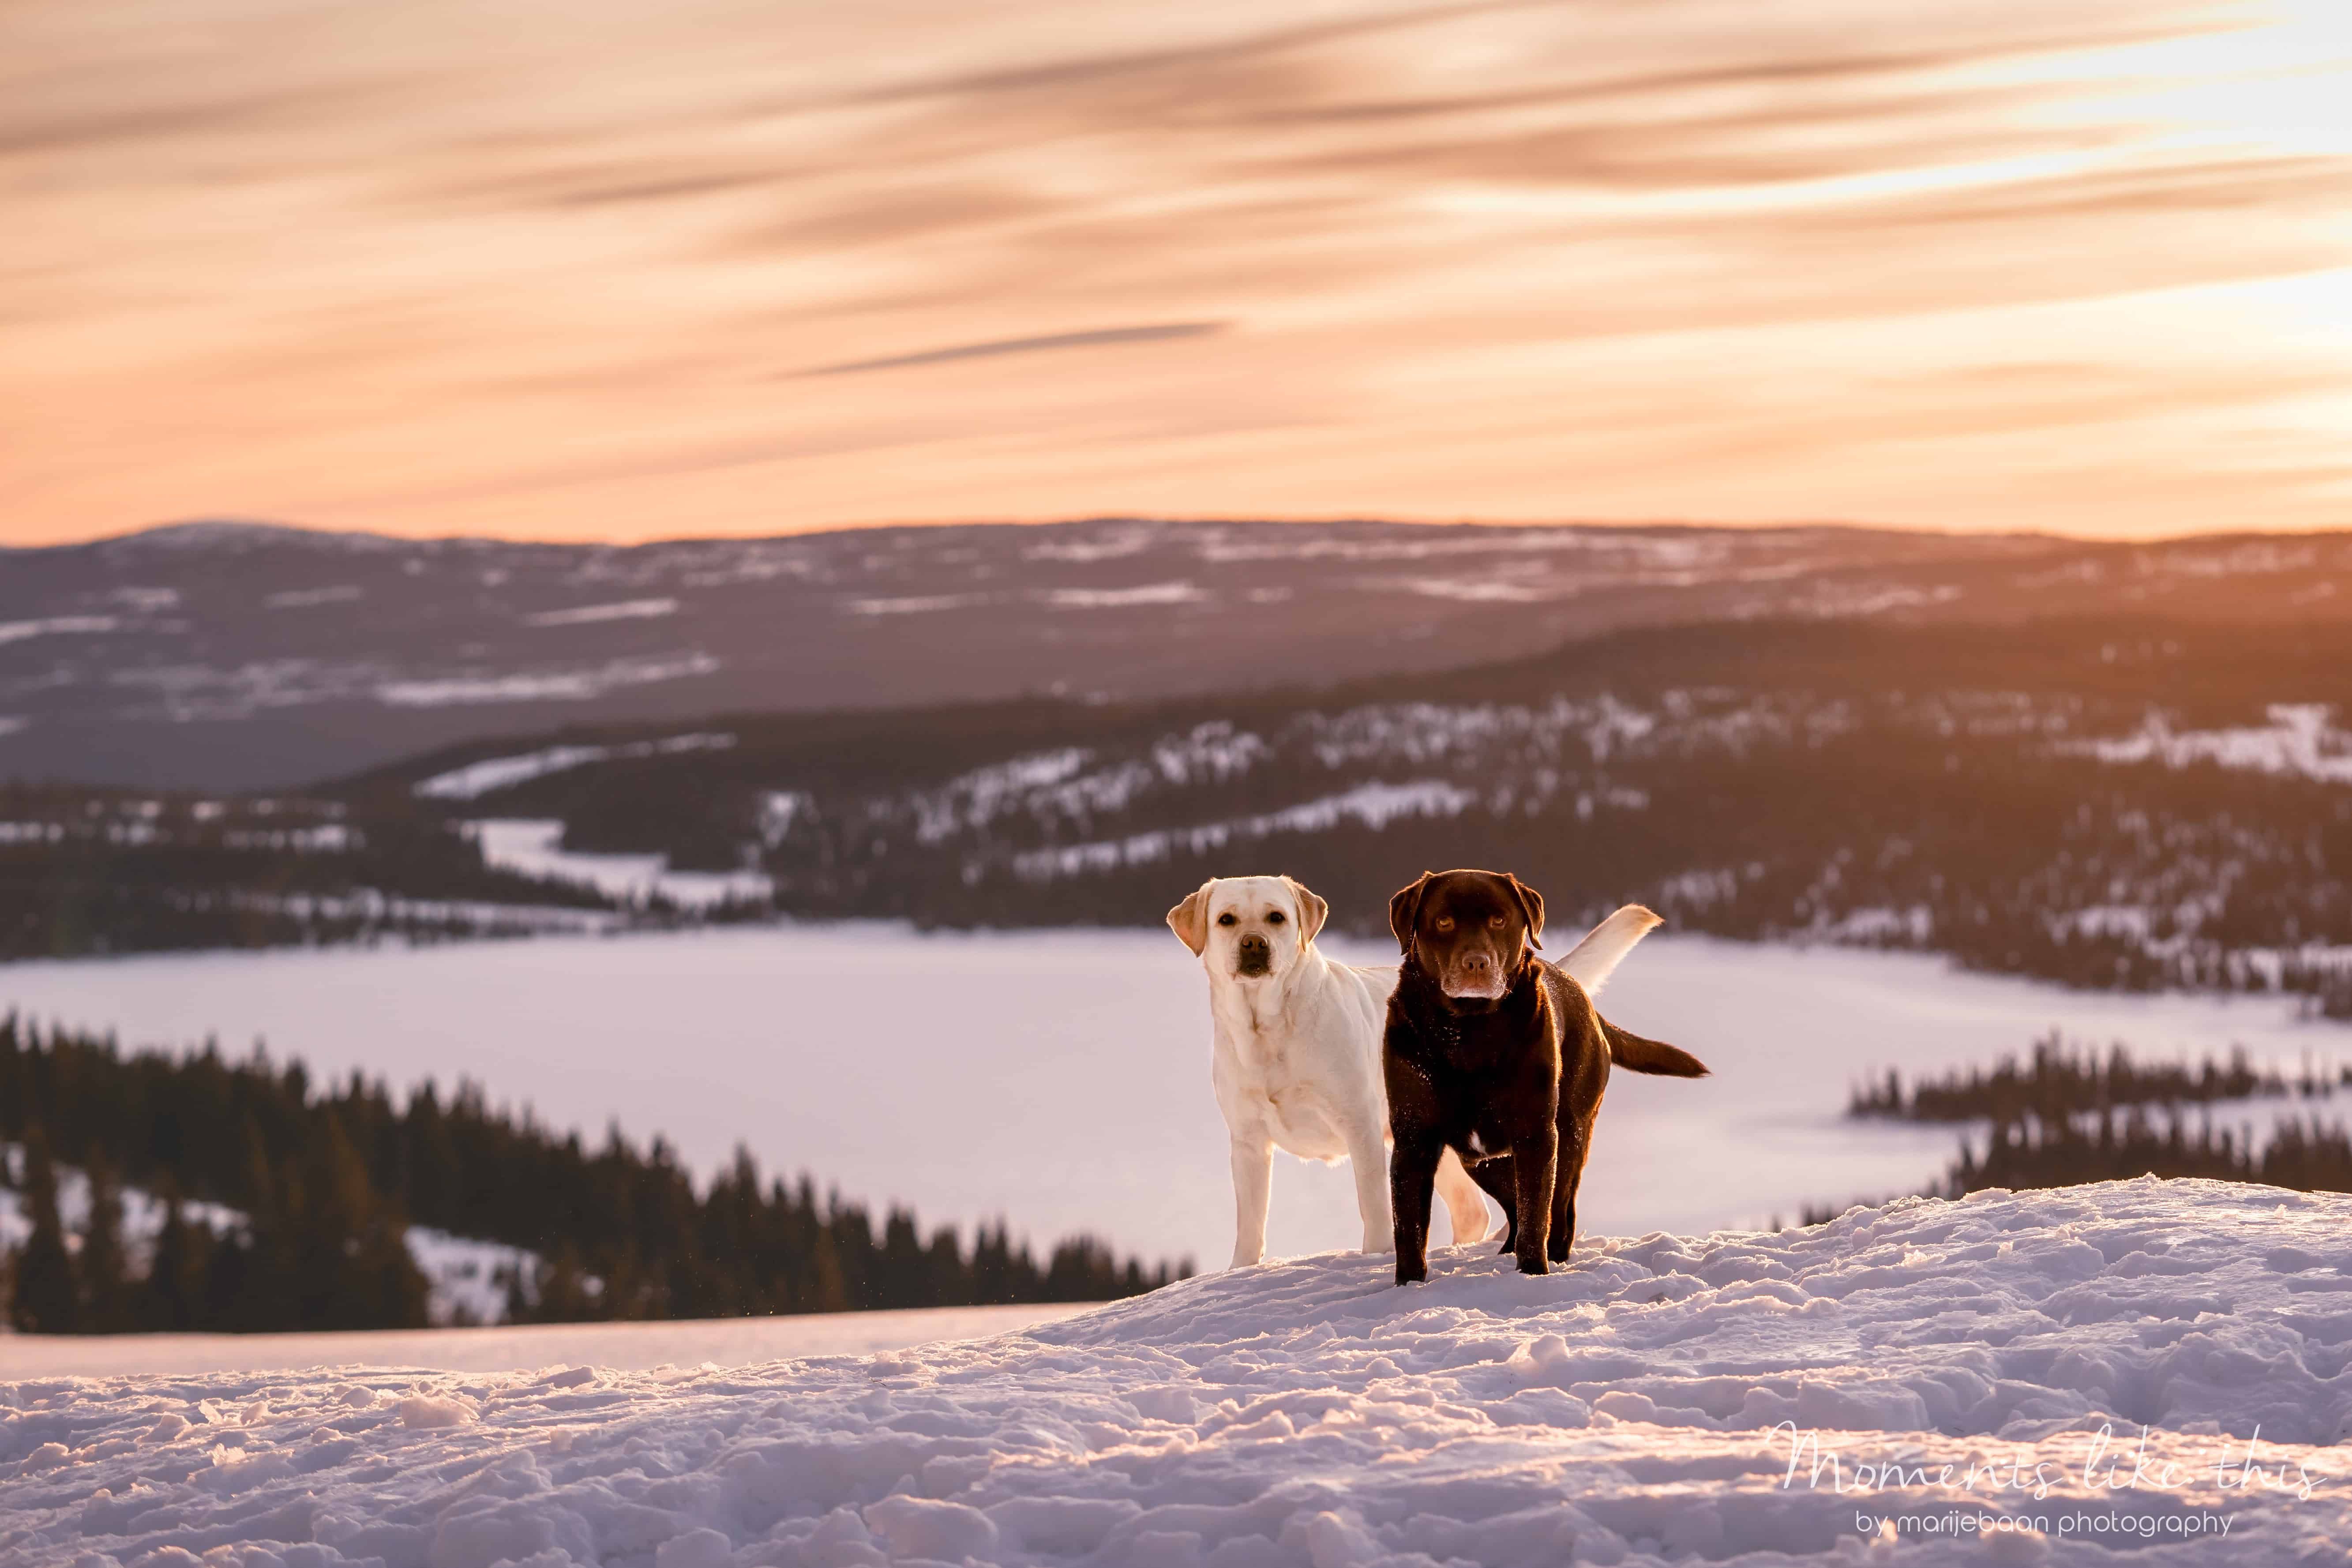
(1499,1056)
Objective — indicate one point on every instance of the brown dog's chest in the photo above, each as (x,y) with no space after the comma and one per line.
(1488,1080)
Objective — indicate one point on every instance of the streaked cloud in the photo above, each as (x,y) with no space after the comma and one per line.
(605,270)
(1099,337)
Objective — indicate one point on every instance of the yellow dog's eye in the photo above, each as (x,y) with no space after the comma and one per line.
(1273,917)
(1227,919)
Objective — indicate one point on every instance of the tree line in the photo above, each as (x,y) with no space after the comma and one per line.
(2060,1078)
(2066,1115)
(90,870)
(323,1181)
(2306,1155)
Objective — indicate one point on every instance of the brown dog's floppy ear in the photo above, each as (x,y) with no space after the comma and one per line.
(1404,908)
(1312,910)
(1531,902)
(1189,919)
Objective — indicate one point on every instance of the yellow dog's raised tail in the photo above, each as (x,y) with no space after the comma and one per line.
(1592,960)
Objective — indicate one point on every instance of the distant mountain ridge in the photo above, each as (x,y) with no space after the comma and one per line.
(227,655)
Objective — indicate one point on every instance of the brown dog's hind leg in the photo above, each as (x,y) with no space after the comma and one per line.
(1563,1207)
(1576,1147)
(1495,1176)
(1413,1181)
(1536,1163)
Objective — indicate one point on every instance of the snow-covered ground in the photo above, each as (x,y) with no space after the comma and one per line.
(1975,1380)
(477,779)
(143,1215)
(1061,1080)
(532,846)
(718,1342)
(468,1275)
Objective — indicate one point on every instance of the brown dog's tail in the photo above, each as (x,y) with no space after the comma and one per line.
(1631,1050)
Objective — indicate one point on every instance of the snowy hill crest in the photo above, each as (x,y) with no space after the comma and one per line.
(1640,1406)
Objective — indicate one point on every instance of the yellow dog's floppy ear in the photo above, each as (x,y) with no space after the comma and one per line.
(1404,908)
(1312,910)
(1531,904)
(1189,919)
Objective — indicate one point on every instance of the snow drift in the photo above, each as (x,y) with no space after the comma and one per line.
(1970,1378)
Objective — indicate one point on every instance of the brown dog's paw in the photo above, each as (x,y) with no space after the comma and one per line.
(1534,1266)
(1411,1271)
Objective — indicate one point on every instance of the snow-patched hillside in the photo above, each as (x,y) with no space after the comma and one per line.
(1961,1369)
(227,655)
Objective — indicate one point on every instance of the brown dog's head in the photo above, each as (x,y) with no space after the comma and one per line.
(1470,931)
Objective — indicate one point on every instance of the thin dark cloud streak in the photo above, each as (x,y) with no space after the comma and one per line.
(1828,68)
(1064,73)
(1098,337)
(1109,81)
(51,130)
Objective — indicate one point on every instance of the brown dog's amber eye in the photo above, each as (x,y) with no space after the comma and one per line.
(1445,922)
(1496,923)
(1227,919)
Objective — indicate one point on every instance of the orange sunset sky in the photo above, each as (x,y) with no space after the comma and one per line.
(579,270)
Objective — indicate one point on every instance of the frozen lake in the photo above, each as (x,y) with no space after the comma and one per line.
(1062,1078)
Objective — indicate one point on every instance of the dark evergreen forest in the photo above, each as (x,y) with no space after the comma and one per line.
(2067,1114)
(326,1178)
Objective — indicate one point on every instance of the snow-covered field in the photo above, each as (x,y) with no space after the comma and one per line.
(1971,1379)
(1062,1078)
(719,1342)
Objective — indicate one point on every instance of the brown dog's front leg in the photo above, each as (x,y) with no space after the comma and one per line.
(1413,1179)
(1535,1161)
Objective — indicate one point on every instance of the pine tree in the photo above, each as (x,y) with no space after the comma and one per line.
(820,1287)
(228,1271)
(47,1298)
(105,1270)
(992,1266)
(902,1273)
(172,1299)
(349,1255)
(560,1292)
(949,1278)
(254,1281)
